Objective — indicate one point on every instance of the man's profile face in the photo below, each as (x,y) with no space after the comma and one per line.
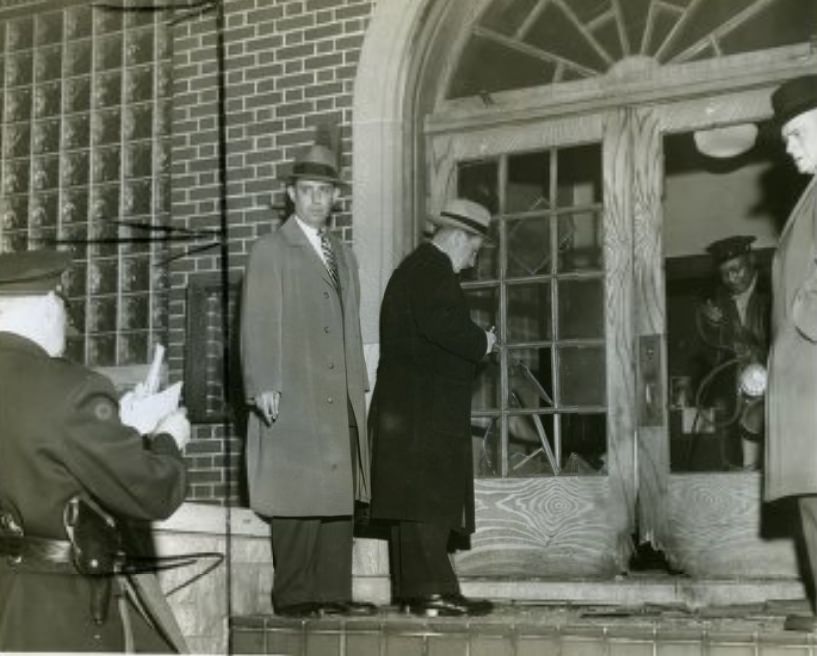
(467,250)
(313,200)
(737,274)
(800,135)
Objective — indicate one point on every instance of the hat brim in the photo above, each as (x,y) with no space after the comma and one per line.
(293,178)
(444,221)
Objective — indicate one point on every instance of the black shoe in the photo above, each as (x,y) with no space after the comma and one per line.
(306,609)
(348,608)
(473,606)
(806,623)
(436,605)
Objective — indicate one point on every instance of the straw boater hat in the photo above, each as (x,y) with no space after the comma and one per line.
(466,215)
(794,97)
(317,163)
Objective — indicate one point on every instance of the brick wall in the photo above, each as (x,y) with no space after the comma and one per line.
(290,65)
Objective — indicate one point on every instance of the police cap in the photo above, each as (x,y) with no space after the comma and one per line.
(31,273)
(724,250)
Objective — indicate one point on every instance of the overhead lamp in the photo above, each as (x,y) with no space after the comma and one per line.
(728,141)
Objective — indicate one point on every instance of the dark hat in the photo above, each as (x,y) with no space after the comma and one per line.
(724,250)
(317,163)
(794,97)
(31,273)
(466,215)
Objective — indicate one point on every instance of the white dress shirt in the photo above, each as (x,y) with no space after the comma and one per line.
(314,237)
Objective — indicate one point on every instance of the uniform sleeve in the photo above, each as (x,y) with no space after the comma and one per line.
(132,477)
(443,318)
(261,321)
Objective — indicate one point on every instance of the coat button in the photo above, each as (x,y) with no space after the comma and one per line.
(326,329)
(326,294)
(331,365)
(330,400)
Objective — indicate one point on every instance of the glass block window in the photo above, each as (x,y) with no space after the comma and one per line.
(524,43)
(539,405)
(84,161)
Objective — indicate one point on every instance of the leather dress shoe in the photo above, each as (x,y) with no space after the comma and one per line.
(435,605)
(473,606)
(348,608)
(806,623)
(303,610)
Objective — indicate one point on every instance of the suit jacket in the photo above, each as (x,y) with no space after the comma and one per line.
(60,435)
(422,467)
(791,400)
(300,337)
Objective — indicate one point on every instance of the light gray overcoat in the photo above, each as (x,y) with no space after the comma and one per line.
(300,337)
(791,401)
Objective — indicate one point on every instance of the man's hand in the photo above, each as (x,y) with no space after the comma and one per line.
(267,404)
(490,338)
(176,425)
(712,313)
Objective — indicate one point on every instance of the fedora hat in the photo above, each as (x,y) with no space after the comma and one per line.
(466,215)
(794,97)
(317,163)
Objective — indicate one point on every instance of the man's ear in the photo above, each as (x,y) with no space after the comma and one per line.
(291,192)
(335,195)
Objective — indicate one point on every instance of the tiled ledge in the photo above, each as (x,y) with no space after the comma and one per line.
(529,630)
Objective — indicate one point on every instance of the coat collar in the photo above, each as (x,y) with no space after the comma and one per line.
(295,237)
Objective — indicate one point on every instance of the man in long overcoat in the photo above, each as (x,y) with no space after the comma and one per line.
(60,439)
(302,358)
(791,400)
(422,465)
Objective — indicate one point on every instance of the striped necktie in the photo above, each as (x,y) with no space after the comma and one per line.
(329,257)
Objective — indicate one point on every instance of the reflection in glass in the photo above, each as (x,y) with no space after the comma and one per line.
(133,348)
(529,251)
(581,309)
(528,182)
(478,182)
(531,445)
(529,312)
(579,175)
(581,375)
(580,242)
(584,443)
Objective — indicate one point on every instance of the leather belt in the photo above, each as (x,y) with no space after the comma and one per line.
(34,552)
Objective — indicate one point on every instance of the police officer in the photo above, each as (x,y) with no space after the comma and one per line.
(64,454)
(736,323)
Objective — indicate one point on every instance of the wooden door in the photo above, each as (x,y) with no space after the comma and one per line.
(553,419)
(695,501)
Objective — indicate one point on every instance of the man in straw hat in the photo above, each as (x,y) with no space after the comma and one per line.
(64,457)
(304,374)
(791,400)
(422,468)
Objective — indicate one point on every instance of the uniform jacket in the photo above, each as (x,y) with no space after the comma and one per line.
(422,466)
(751,336)
(301,338)
(791,400)
(60,435)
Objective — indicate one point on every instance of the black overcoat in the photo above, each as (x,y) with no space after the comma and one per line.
(60,435)
(422,466)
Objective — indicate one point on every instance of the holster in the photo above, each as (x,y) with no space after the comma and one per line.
(95,549)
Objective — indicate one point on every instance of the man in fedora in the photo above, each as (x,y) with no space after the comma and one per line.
(65,457)
(736,324)
(422,467)
(791,410)
(304,374)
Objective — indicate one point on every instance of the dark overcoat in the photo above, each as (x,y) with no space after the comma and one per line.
(422,466)
(301,338)
(791,400)
(60,435)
